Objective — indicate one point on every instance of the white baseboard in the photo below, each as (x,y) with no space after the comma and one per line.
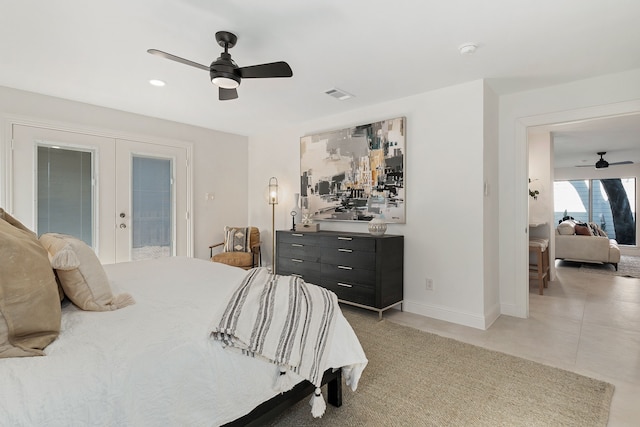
(512,310)
(448,315)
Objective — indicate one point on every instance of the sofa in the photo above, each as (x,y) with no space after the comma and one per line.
(585,242)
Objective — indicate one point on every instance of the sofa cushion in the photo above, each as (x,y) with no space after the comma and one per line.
(596,230)
(583,230)
(566,228)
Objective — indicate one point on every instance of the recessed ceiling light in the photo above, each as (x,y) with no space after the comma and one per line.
(467,48)
(155,82)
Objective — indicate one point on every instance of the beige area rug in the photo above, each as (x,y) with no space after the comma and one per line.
(629,266)
(420,379)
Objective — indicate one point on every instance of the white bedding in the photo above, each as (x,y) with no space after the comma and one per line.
(152,363)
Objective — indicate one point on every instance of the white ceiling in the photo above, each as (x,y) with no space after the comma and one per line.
(95,52)
(577,143)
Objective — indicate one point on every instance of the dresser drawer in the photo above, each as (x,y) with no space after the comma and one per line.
(312,277)
(297,265)
(310,239)
(301,251)
(351,292)
(348,274)
(349,257)
(349,242)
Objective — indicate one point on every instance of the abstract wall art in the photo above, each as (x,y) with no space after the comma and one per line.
(355,174)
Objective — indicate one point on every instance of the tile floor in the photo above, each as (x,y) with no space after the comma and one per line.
(588,323)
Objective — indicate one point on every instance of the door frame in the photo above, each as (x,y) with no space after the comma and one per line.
(521,242)
(6,165)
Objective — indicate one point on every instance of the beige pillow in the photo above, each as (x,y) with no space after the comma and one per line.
(29,302)
(567,227)
(81,275)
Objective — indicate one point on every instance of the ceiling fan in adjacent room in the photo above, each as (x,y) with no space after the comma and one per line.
(602,163)
(225,73)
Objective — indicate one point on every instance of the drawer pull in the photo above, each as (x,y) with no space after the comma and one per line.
(297,234)
(297,245)
(344,267)
(345,285)
(296,260)
(345,238)
(345,250)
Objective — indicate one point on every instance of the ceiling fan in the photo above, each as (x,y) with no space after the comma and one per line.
(602,163)
(225,73)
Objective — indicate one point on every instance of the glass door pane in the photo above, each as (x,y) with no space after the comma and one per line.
(608,202)
(65,192)
(151,219)
(571,199)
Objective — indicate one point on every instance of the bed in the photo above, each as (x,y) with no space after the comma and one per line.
(154,362)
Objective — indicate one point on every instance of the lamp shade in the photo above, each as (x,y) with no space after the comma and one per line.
(225,82)
(273,190)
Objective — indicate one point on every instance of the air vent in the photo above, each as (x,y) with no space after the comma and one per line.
(338,94)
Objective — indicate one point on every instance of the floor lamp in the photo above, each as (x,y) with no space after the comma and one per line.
(273,201)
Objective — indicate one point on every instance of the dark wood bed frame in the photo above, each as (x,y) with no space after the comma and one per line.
(278,404)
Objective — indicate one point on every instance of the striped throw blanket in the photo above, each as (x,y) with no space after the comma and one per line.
(282,319)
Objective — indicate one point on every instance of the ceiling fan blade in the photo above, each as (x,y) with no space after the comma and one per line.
(177,59)
(227,94)
(626,162)
(272,69)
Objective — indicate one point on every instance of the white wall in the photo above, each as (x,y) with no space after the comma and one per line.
(219,159)
(444,238)
(491,208)
(596,97)
(540,155)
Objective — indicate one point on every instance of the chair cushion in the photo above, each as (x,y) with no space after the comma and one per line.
(81,274)
(237,239)
(29,300)
(236,259)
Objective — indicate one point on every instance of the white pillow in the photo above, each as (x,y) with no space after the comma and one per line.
(81,275)
(567,227)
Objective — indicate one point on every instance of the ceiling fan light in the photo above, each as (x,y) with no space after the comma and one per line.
(225,82)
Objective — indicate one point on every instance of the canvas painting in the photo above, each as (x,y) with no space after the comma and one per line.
(355,174)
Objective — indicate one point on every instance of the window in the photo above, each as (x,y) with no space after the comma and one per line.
(610,203)
(151,208)
(65,192)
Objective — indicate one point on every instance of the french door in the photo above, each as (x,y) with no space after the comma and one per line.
(151,213)
(126,199)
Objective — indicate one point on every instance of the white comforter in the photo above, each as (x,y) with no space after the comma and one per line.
(152,363)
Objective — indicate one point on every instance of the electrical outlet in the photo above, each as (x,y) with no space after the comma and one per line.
(429,284)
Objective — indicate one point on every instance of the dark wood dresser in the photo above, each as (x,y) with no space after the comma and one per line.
(363,270)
